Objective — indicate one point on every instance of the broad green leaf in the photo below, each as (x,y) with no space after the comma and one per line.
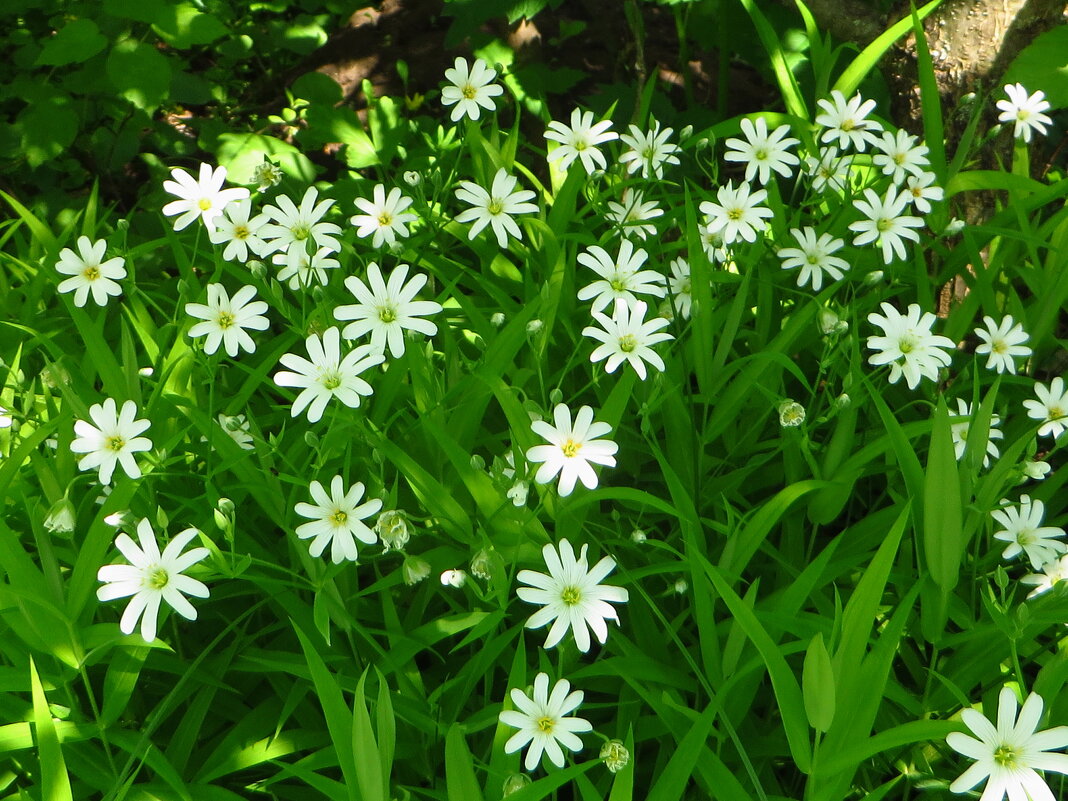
(77,41)
(48,126)
(943,539)
(139,73)
(817,684)
(460,782)
(243,153)
(1043,64)
(55,784)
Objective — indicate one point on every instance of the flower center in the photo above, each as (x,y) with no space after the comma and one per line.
(906,345)
(627,343)
(686,287)
(813,259)
(848,125)
(649,153)
(735,214)
(1025,537)
(1006,756)
(899,158)
(241,232)
(884,224)
(571,595)
(580,145)
(91,272)
(331,380)
(225,320)
(546,724)
(385,219)
(1000,346)
(618,284)
(1056,412)
(571,448)
(468,91)
(157,578)
(115,443)
(496,206)
(301,232)
(204,203)
(387,314)
(761,155)
(1023,114)
(339,517)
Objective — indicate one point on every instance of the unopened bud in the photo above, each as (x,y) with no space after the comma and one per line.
(556,396)
(412,178)
(515,783)
(482,565)
(60,518)
(615,755)
(518,493)
(497,319)
(453,578)
(393,530)
(638,536)
(534,327)
(257,268)
(414,570)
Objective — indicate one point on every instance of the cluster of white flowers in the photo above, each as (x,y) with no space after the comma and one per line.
(301,240)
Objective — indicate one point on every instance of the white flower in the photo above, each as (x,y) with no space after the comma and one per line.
(1025,111)
(908,345)
(542,721)
(1052,573)
(900,156)
(846,121)
(1024,532)
(453,578)
(337,520)
(239,232)
(113,440)
(266,175)
(1003,341)
(386,310)
(237,428)
(293,228)
(920,191)
(829,170)
(813,256)
(327,374)
(791,413)
(384,217)
(762,152)
(580,141)
(572,448)
(571,595)
(1051,407)
(89,272)
(620,278)
(633,214)
(225,319)
(1007,755)
(681,288)
(738,214)
(151,578)
(471,89)
(299,268)
(1034,469)
(204,197)
(495,207)
(959,432)
(885,222)
(627,337)
(713,246)
(648,152)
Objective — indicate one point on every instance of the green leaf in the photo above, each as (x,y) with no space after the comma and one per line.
(791,92)
(77,41)
(183,26)
(460,782)
(55,784)
(866,60)
(817,684)
(1043,64)
(328,125)
(942,516)
(365,749)
(242,153)
(49,127)
(139,72)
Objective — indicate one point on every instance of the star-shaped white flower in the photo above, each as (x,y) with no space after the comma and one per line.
(495,207)
(959,432)
(385,217)
(1024,532)
(1024,111)
(386,310)
(1007,755)
(621,277)
(112,441)
(580,141)
(626,337)
(814,256)
(847,121)
(900,156)
(89,272)
(151,578)
(1051,407)
(680,285)
(543,722)
(327,374)
(885,222)
(920,191)
(737,214)
(763,152)
(633,215)
(202,197)
(225,319)
(292,229)
(572,448)
(1002,342)
(337,520)
(908,345)
(829,171)
(648,151)
(470,89)
(572,596)
(1053,573)
(240,233)
(301,269)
